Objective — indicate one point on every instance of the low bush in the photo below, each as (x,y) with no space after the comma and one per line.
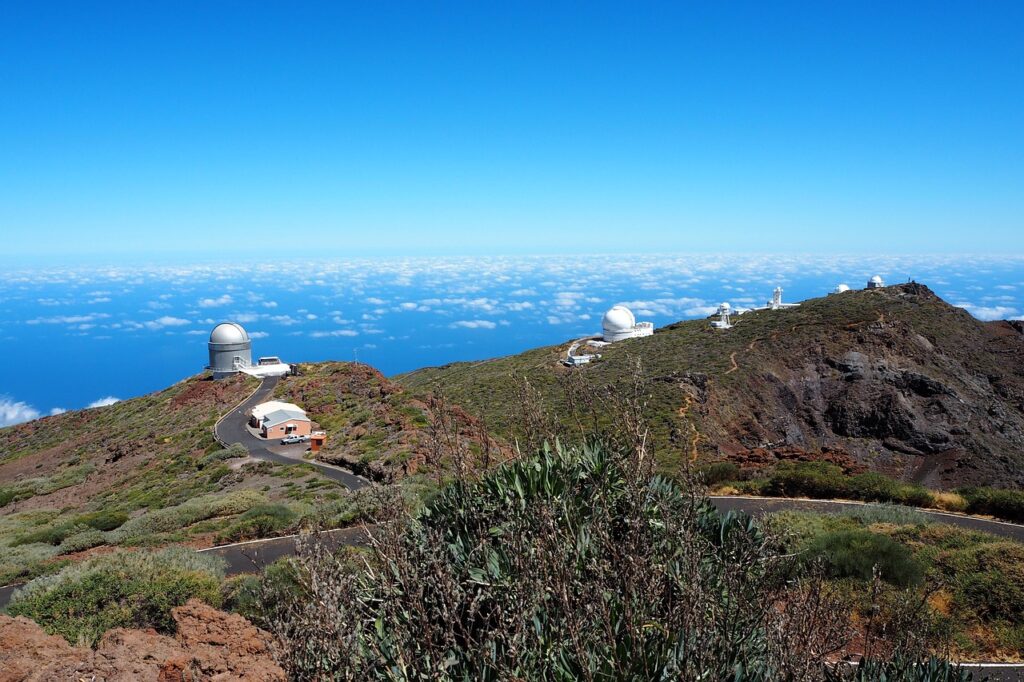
(895,514)
(185,514)
(718,472)
(807,479)
(856,554)
(124,589)
(873,487)
(103,520)
(261,521)
(989,580)
(83,540)
(1006,504)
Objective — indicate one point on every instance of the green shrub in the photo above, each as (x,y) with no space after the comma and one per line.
(185,514)
(807,479)
(1006,504)
(103,520)
(895,514)
(873,487)
(718,472)
(261,521)
(856,553)
(124,589)
(231,452)
(86,539)
(914,496)
(901,669)
(24,561)
(989,579)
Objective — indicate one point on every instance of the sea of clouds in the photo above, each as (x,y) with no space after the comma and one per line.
(74,337)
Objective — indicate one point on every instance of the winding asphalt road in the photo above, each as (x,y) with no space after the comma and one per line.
(232,429)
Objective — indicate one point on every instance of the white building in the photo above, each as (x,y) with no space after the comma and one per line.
(841,288)
(776,302)
(875,283)
(619,323)
(723,321)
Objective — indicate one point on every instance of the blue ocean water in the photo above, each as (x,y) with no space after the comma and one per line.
(77,335)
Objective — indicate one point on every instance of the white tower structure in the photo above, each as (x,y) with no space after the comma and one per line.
(777,298)
(230,349)
(619,323)
(723,322)
(875,283)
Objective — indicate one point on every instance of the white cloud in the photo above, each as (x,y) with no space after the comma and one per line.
(258,335)
(68,319)
(15,412)
(165,321)
(103,402)
(224,299)
(473,324)
(334,332)
(57,410)
(988,313)
(270,304)
(310,316)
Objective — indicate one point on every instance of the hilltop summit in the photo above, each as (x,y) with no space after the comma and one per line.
(892,379)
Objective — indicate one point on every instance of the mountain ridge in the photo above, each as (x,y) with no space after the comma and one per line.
(891,379)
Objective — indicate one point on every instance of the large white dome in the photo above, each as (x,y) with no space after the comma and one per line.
(618,319)
(228,332)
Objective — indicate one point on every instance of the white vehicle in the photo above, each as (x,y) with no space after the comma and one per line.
(294,438)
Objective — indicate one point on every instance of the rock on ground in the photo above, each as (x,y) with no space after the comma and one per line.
(209,645)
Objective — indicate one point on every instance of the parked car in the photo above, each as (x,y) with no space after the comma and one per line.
(288,440)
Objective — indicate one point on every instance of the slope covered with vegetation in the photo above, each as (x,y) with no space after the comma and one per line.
(143,472)
(893,380)
(577,564)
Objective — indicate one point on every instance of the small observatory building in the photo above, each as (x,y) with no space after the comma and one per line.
(230,349)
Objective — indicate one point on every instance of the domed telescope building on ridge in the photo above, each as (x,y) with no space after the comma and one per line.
(231,353)
(230,349)
(619,323)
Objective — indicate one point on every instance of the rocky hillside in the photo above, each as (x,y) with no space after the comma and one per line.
(207,645)
(892,379)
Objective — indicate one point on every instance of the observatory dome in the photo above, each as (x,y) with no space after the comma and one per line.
(230,349)
(619,318)
(840,288)
(875,282)
(619,323)
(229,332)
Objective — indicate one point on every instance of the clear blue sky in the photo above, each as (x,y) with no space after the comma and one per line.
(486,127)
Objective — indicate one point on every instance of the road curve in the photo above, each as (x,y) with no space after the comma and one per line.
(757,506)
(231,429)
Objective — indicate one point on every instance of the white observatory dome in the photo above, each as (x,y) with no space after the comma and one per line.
(875,282)
(840,288)
(618,319)
(228,332)
(725,306)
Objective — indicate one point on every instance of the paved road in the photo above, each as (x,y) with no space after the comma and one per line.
(231,429)
(756,506)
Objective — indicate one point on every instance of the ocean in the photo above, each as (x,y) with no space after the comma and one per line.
(75,336)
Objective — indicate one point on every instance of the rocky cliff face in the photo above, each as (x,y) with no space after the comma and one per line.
(923,392)
(891,379)
(209,645)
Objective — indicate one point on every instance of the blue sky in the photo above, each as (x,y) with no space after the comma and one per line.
(142,130)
